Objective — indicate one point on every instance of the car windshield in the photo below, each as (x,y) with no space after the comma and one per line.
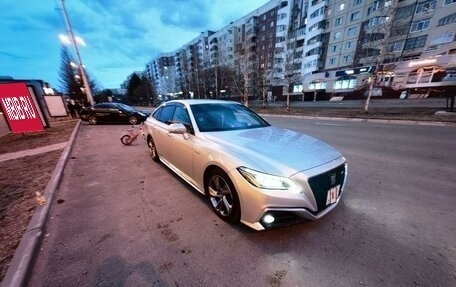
(225,117)
(125,107)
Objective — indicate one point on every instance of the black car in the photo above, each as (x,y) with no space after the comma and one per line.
(112,113)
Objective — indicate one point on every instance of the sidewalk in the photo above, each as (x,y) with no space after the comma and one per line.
(23,153)
(19,266)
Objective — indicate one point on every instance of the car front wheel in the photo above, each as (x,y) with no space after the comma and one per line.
(92,120)
(222,196)
(152,150)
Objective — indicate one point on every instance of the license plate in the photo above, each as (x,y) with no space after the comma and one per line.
(332,195)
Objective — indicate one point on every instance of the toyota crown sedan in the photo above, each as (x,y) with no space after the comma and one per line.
(250,171)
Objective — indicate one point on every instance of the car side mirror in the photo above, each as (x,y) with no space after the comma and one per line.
(177,128)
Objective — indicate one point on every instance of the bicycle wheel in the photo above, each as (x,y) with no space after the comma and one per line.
(126,140)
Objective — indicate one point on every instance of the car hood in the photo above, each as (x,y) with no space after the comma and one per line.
(276,150)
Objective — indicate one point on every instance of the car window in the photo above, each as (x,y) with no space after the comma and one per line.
(166,115)
(125,107)
(181,116)
(101,106)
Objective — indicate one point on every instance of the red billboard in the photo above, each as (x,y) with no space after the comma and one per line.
(19,108)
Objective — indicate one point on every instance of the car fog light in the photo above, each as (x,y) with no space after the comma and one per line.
(268,219)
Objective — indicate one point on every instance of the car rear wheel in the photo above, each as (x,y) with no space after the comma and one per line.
(133,120)
(223,196)
(152,150)
(92,120)
(126,139)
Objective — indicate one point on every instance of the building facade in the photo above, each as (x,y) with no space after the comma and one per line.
(319,49)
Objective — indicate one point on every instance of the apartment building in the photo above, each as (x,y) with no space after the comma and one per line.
(324,48)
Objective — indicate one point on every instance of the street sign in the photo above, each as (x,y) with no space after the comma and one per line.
(19,109)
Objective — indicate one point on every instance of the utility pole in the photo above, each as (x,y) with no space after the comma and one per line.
(87,90)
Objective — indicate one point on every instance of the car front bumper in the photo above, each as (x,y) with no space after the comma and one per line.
(263,209)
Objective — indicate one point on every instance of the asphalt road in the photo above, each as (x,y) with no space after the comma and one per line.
(124,220)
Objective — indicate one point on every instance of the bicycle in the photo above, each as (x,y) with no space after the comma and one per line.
(132,134)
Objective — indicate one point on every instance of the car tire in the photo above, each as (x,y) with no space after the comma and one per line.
(133,120)
(92,120)
(222,196)
(153,149)
(126,139)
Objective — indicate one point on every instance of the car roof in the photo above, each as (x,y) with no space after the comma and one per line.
(201,101)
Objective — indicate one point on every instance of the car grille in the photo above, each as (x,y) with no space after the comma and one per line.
(320,184)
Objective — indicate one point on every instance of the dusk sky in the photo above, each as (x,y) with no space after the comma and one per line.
(121,36)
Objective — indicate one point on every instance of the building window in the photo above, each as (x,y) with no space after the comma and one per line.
(403,12)
(450,19)
(338,21)
(419,25)
(354,16)
(280,39)
(414,43)
(377,21)
(356,2)
(281,16)
(313,27)
(351,31)
(396,46)
(336,35)
(281,28)
(317,86)
(318,12)
(425,6)
(334,48)
(446,37)
(345,84)
(346,59)
(271,24)
(348,45)
(341,6)
(332,61)
(448,2)
(278,60)
(311,64)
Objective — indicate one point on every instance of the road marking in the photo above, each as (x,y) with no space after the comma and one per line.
(328,124)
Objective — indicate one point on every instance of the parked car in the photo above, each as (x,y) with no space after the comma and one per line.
(250,171)
(112,113)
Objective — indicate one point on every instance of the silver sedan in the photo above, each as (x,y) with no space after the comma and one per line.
(252,172)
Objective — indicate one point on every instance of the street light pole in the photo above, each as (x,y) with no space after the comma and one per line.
(75,46)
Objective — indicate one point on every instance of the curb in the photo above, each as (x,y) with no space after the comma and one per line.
(380,121)
(20,265)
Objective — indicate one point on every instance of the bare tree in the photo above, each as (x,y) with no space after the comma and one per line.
(376,36)
(287,62)
(264,76)
(241,79)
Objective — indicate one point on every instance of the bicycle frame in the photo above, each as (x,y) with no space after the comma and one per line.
(130,135)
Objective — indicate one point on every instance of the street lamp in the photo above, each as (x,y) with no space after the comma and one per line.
(74,40)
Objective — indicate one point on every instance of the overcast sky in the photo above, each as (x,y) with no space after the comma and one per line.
(121,35)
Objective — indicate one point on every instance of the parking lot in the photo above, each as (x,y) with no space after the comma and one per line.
(120,219)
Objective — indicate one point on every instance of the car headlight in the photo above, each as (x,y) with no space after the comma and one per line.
(268,181)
